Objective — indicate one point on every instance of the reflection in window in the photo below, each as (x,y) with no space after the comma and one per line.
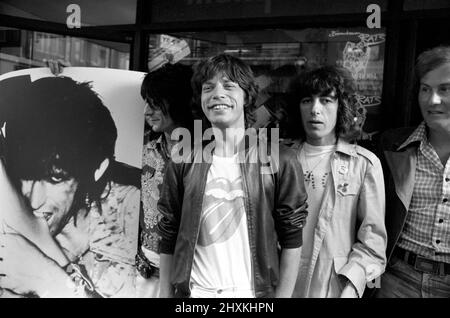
(20,49)
(276,56)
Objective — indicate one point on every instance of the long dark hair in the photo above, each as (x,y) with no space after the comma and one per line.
(170,89)
(323,81)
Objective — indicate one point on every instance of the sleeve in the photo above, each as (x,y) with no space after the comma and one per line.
(170,205)
(290,207)
(367,259)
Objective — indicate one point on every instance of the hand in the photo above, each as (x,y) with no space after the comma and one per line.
(56,66)
(24,269)
(349,291)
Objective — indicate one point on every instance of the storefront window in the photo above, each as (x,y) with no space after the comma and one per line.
(21,49)
(276,56)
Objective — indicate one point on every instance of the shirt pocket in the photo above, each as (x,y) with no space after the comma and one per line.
(344,215)
(348,187)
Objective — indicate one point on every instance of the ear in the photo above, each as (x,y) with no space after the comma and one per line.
(101,169)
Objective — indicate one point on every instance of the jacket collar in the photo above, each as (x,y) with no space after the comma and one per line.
(418,136)
(342,146)
(345,147)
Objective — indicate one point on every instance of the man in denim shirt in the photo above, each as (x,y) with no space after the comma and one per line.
(344,237)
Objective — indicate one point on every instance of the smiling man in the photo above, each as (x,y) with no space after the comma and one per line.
(224,219)
(418,189)
(344,237)
(59,158)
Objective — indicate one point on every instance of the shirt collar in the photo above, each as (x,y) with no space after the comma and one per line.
(342,146)
(345,147)
(419,135)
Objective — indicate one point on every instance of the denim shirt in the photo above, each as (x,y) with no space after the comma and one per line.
(350,235)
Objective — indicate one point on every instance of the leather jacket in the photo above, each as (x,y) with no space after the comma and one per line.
(275,204)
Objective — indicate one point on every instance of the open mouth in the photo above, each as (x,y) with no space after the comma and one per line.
(315,122)
(219,107)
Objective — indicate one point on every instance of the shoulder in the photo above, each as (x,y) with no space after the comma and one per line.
(393,138)
(290,147)
(287,157)
(123,193)
(286,152)
(367,155)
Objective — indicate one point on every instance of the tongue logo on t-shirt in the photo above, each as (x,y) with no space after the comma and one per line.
(223,208)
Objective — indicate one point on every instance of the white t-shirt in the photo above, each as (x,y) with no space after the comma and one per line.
(316,164)
(222,258)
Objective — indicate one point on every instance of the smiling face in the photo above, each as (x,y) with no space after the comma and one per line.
(223,102)
(319,116)
(434,98)
(51,199)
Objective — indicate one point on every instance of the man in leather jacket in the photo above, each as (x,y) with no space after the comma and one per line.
(232,225)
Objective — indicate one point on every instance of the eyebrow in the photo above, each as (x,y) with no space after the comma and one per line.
(333,95)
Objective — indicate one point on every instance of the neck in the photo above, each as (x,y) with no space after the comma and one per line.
(440,140)
(321,141)
(169,141)
(227,140)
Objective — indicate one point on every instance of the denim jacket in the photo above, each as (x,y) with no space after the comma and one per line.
(350,235)
(275,204)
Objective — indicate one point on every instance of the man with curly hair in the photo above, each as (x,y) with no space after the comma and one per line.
(225,217)
(344,237)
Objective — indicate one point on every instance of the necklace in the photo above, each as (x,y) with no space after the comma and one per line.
(310,173)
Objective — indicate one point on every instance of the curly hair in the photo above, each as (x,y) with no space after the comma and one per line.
(236,70)
(323,81)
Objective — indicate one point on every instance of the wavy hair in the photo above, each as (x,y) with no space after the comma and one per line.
(236,70)
(323,81)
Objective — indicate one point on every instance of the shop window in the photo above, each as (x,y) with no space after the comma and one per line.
(197,10)
(277,56)
(20,49)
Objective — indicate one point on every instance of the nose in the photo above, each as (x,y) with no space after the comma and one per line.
(316,107)
(218,91)
(435,98)
(35,192)
(148,110)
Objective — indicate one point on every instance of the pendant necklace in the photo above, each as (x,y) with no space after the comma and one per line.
(310,173)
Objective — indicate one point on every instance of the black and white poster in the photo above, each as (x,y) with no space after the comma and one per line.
(71,148)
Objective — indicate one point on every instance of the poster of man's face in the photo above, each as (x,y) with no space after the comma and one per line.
(70,149)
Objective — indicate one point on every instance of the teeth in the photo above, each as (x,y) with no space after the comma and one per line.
(45,215)
(219,107)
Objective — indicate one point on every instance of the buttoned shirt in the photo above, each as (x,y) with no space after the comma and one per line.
(427,228)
